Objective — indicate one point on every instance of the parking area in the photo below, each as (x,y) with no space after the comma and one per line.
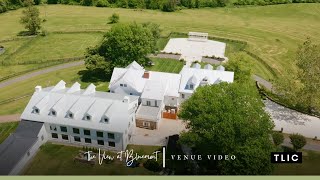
(166,127)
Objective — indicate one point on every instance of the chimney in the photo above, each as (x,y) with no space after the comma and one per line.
(38,88)
(146,74)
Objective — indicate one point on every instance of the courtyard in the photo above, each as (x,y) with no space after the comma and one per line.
(192,50)
(158,137)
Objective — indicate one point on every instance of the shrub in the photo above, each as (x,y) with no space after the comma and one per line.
(86,2)
(152,165)
(114,18)
(3,6)
(102,3)
(297,141)
(43,32)
(277,138)
(52,1)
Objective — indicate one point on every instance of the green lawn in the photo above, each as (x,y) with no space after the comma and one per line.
(69,75)
(37,52)
(273,32)
(166,65)
(6,129)
(55,159)
(309,166)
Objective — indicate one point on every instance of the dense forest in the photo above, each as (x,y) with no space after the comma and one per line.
(164,5)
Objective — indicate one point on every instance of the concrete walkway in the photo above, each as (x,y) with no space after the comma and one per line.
(37,73)
(10,118)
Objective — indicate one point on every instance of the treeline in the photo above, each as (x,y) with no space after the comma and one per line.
(164,5)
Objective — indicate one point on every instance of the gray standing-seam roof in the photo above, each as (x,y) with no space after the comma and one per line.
(18,144)
(148,112)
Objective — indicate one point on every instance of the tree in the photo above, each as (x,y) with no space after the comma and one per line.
(241,68)
(123,44)
(169,6)
(30,18)
(278,138)
(308,62)
(297,141)
(114,18)
(228,119)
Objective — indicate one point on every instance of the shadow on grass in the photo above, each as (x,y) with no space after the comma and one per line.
(25,33)
(94,76)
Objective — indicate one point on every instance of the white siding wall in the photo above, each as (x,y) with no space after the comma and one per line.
(171,101)
(42,138)
(152,102)
(186,96)
(93,136)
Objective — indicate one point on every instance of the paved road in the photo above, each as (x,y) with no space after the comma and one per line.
(263,82)
(292,121)
(40,72)
(10,118)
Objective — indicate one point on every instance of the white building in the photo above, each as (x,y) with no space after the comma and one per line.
(161,93)
(83,117)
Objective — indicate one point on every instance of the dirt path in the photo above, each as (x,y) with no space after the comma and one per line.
(40,72)
(10,118)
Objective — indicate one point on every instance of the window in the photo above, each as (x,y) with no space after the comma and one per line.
(53,113)
(65,137)
(191,86)
(155,103)
(172,99)
(125,85)
(63,129)
(112,144)
(87,140)
(77,138)
(36,110)
(121,85)
(129,124)
(146,124)
(70,115)
(130,93)
(53,128)
(148,103)
(110,135)
(101,142)
(76,131)
(99,134)
(28,153)
(106,120)
(132,119)
(86,132)
(88,117)
(54,135)
(42,138)
(187,86)
(182,95)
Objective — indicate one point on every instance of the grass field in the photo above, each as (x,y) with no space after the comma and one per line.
(166,65)
(69,75)
(6,129)
(273,32)
(55,159)
(35,52)
(309,166)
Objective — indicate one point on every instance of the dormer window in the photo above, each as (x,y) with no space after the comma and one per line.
(125,85)
(70,115)
(36,110)
(88,117)
(105,120)
(53,113)
(121,85)
(191,86)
